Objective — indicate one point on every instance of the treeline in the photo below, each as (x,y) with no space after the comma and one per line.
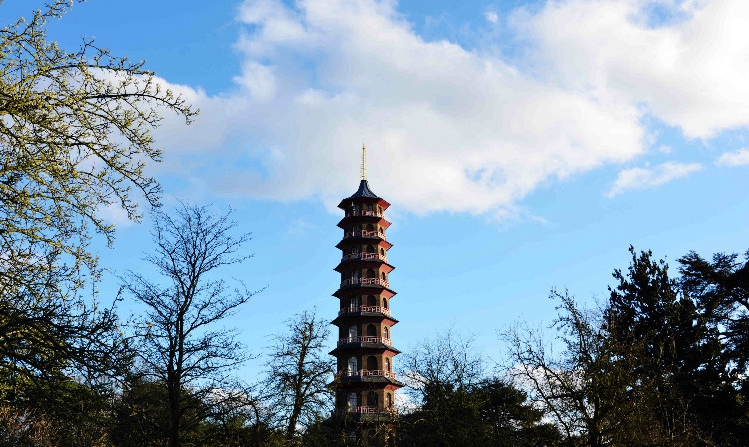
(661,362)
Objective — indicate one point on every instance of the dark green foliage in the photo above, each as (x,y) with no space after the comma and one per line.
(240,430)
(59,356)
(458,405)
(447,417)
(490,413)
(661,364)
(510,420)
(650,320)
(141,415)
(317,435)
(141,418)
(683,338)
(720,289)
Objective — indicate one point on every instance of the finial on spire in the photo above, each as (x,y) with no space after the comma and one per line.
(363,162)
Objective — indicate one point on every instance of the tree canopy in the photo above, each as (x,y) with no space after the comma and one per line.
(180,341)
(75,137)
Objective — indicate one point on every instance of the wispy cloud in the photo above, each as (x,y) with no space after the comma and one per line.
(644,178)
(736,158)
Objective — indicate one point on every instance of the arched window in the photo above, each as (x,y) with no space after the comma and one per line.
(390,400)
(382,251)
(387,332)
(383,276)
(372,399)
(371,273)
(370,227)
(353,365)
(353,332)
(355,229)
(371,301)
(355,276)
(354,302)
(370,207)
(388,366)
(353,401)
(372,330)
(385,303)
(370,249)
(371,363)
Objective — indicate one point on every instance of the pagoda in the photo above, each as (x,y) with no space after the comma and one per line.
(365,383)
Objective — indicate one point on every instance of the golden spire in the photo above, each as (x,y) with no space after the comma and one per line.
(363,162)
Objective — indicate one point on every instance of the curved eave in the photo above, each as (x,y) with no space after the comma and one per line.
(374,316)
(347,290)
(346,382)
(358,240)
(347,221)
(362,345)
(365,264)
(384,204)
(364,195)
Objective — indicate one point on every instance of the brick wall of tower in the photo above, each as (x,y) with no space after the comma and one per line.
(365,383)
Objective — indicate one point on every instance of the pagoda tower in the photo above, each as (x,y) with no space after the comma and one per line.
(365,382)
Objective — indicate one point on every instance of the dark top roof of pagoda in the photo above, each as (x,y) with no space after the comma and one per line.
(364,191)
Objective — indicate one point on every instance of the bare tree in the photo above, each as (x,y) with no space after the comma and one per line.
(179,342)
(447,358)
(298,372)
(582,387)
(441,374)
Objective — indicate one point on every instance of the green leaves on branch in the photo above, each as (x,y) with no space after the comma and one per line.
(75,137)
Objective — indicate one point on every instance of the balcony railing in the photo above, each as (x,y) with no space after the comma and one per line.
(368,309)
(367,373)
(364,233)
(365,257)
(365,281)
(372,410)
(350,213)
(364,339)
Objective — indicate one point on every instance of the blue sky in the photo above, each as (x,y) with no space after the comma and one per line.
(523,145)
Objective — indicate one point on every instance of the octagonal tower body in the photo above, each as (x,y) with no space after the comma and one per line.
(366,383)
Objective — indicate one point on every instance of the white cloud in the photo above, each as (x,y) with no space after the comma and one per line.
(491,16)
(689,72)
(114,214)
(643,178)
(404,404)
(736,158)
(454,129)
(447,128)
(665,149)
